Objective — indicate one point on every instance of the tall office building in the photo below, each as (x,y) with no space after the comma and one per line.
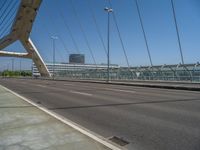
(77,59)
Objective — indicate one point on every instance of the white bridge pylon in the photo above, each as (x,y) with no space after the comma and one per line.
(20,30)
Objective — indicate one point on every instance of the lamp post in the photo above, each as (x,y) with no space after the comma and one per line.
(20,66)
(108,10)
(12,64)
(54,55)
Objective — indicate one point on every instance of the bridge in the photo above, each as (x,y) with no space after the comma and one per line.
(133,95)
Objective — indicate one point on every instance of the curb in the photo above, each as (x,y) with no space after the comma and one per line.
(70,123)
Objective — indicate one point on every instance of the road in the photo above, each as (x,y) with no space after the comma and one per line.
(148,118)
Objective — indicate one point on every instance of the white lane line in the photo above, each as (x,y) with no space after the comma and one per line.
(68,84)
(81,93)
(41,85)
(23,82)
(72,124)
(119,90)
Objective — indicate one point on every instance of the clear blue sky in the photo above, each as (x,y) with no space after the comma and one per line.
(158,24)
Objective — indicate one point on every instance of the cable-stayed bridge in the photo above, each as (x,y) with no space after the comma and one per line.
(147,51)
(16,14)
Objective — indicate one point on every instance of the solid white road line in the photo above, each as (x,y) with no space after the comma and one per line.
(68,122)
(119,90)
(81,93)
(41,85)
(68,84)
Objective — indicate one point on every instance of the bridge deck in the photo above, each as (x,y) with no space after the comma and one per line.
(148,118)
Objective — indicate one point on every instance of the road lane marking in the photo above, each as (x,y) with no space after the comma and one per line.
(68,84)
(23,82)
(119,90)
(41,85)
(81,93)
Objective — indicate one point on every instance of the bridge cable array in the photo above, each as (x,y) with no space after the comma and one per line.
(7,24)
(8,11)
(4,3)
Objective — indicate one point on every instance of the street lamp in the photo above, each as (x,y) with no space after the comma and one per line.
(108,10)
(12,64)
(54,58)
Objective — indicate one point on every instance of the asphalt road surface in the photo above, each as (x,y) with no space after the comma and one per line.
(148,118)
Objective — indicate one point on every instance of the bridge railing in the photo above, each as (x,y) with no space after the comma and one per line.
(189,72)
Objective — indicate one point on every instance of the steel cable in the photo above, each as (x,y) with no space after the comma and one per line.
(8,22)
(97,26)
(83,32)
(144,33)
(3,5)
(7,13)
(69,31)
(177,31)
(120,37)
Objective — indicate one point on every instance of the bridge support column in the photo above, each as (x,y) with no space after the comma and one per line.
(35,56)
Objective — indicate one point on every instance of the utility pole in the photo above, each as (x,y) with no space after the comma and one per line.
(108,10)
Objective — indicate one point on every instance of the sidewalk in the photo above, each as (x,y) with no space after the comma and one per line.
(25,127)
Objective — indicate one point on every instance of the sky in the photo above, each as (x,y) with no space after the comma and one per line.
(159,26)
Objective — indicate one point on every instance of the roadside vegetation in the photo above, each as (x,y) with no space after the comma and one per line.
(8,73)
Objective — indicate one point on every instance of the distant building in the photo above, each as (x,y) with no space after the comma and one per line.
(77,59)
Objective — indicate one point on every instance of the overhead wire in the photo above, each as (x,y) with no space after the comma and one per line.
(83,32)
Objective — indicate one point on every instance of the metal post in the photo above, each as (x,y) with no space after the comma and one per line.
(12,64)
(54,59)
(108,10)
(108,48)
(32,64)
(20,66)
(7,67)
(54,55)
